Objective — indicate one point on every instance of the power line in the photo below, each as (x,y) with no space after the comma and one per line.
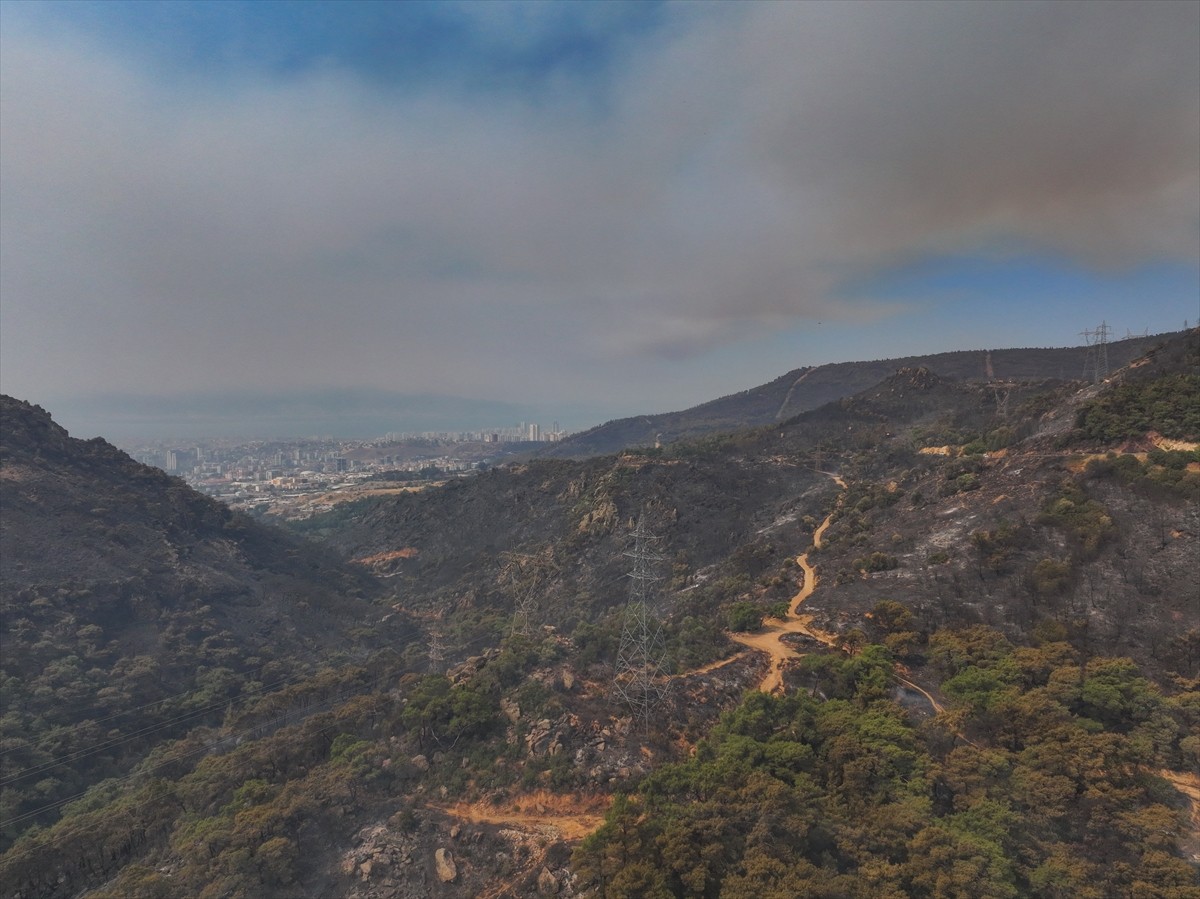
(526,606)
(437,650)
(79,753)
(235,736)
(229,739)
(113,743)
(205,748)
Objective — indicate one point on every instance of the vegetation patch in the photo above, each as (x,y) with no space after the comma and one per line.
(1168,404)
(1038,775)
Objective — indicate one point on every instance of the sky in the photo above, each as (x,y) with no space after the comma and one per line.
(587,209)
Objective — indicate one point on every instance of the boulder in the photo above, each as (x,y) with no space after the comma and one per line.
(447,871)
(547,883)
(537,741)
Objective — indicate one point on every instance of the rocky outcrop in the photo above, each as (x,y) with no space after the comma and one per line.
(443,861)
(547,883)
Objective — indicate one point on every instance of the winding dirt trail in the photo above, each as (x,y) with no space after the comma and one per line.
(770,639)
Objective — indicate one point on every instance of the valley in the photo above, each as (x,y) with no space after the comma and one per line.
(889,671)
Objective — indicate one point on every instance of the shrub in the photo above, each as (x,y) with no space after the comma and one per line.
(877,561)
(744,616)
(1051,577)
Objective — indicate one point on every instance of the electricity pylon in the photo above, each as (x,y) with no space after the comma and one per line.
(1095,363)
(437,649)
(640,681)
(522,622)
(515,571)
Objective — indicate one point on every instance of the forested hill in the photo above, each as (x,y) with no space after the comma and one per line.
(126,589)
(811,387)
(975,604)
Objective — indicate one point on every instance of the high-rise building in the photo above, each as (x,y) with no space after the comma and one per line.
(180,460)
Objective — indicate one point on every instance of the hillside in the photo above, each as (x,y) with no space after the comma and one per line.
(811,387)
(135,608)
(934,464)
(988,677)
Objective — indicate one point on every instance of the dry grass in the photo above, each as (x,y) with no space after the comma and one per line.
(572,816)
(407,552)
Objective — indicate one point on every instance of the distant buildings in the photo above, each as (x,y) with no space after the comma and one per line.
(180,461)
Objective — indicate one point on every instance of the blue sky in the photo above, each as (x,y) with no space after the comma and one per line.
(402,46)
(596,209)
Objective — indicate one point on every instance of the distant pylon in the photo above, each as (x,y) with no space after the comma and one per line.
(522,622)
(640,680)
(1095,362)
(437,650)
(1001,392)
(526,606)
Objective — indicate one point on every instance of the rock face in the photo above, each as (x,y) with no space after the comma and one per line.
(447,871)
(547,883)
(548,737)
(472,666)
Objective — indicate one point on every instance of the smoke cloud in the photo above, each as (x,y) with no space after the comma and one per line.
(743,169)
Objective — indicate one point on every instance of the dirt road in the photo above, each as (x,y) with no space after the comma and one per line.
(1188,783)
(770,639)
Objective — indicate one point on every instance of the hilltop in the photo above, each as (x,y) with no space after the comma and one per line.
(810,387)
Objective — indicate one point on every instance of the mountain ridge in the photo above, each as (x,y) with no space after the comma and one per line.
(809,387)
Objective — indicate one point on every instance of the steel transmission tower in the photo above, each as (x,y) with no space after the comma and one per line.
(641,681)
(519,567)
(522,622)
(437,650)
(1095,363)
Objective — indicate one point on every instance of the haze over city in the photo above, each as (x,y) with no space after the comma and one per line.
(574,211)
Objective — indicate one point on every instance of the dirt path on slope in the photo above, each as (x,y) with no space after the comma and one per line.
(937,707)
(1188,783)
(565,817)
(788,398)
(712,666)
(770,639)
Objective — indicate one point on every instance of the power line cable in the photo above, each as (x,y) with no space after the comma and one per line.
(251,694)
(208,747)
(83,751)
